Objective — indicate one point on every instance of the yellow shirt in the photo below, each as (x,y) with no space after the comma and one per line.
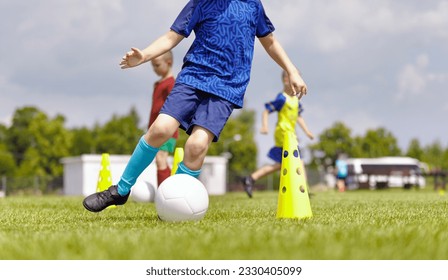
(288,108)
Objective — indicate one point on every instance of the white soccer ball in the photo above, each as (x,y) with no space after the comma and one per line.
(143,191)
(181,197)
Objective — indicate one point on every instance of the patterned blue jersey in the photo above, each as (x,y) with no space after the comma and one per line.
(219,60)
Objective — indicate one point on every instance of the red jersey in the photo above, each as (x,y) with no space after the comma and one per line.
(161,91)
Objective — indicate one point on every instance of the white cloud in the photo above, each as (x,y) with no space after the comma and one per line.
(8,99)
(415,78)
(412,78)
(360,121)
(330,26)
(404,18)
(49,24)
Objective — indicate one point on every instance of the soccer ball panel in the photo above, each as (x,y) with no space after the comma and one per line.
(196,199)
(181,198)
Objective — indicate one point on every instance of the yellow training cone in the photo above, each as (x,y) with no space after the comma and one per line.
(293,199)
(178,157)
(105,176)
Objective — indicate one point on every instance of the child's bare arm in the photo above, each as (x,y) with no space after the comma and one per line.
(278,54)
(160,46)
(304,127)
(264,122)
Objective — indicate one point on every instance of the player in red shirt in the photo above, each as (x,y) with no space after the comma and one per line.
(162,66)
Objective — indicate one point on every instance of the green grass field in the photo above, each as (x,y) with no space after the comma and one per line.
(360,225)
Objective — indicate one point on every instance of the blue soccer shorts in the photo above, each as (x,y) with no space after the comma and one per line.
(276,154)
(191,106)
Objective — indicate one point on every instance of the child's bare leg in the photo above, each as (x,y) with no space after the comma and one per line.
(161,130)
(196,147)
(195,151)
(265,170)
(145,151)
(341,185)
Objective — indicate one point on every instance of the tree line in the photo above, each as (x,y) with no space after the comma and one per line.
(34,143)
(377,142)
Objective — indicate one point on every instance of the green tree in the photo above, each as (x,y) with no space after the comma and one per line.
(237,139)
(37,143)
(357,150)
(32,164)
(444,164)
(49,142)
(332,141)
(83,141)
(434,155)
(18,138)
(415,150)
(119,135)
(378,143)
(7,162)
(3,133)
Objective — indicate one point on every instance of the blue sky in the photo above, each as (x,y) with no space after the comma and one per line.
(368,64)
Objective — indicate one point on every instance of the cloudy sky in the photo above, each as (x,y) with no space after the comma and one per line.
(368,64)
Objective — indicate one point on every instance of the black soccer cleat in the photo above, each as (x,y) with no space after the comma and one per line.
(248,184)
(101,200)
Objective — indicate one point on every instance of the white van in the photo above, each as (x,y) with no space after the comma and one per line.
(384,172)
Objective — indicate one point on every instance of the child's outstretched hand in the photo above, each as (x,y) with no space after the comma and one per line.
(298,86)
(133,58)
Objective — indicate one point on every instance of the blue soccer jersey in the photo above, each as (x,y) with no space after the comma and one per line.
(219,60)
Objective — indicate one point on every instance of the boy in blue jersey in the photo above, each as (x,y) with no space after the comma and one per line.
(289,111)
(212,82)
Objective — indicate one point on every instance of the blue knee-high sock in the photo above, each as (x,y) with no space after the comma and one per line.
(182,169)
(143,155)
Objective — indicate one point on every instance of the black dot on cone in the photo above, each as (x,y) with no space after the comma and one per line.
(283,189)
(285,171)
(302,189)
(285,154)
(298,171)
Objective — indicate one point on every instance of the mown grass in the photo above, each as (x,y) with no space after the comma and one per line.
(359,225)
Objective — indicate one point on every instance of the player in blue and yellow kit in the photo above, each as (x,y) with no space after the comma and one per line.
(212,82)
(289,111)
